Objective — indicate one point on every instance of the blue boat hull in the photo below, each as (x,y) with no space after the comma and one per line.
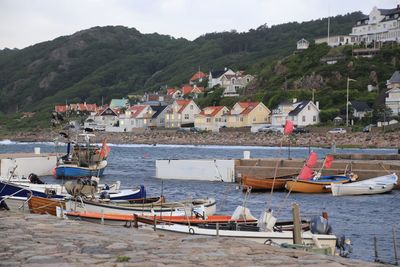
(73,171)
(7,189)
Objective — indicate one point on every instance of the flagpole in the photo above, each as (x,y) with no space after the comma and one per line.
(347,102)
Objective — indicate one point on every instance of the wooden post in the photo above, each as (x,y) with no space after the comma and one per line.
(102,217)
(135,221)
(217,229)
(296,224)
(376,249)
(395,246)
(155,223)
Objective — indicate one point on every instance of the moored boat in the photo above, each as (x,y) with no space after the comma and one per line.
(321,185)
(265,183)
(205,207)
(41,205)
(378,185)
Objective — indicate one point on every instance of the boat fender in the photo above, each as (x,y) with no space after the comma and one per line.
(191,231)
(320,225)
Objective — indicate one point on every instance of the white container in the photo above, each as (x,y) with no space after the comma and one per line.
(37,150)
(246,154)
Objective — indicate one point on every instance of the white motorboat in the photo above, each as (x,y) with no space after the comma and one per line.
(378,185)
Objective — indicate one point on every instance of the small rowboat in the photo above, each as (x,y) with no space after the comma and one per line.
(266,183)
(206,207)
(322,185)
(123,219)
(376,185)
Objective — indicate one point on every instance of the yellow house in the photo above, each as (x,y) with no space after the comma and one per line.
(211,118)
(247,114)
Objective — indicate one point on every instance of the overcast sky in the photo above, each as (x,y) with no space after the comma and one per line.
(26,22)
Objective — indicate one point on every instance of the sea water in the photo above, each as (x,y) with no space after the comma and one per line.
(359,218)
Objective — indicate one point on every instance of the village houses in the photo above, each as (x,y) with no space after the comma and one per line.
(181,112)
(244,114)
(211,118)
(302,113)
(392,100)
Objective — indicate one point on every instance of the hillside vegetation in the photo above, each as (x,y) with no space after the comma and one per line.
(111,62)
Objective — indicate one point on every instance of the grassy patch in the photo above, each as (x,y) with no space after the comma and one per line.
(123,258)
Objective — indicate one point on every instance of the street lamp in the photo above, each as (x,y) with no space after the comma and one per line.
(347,100)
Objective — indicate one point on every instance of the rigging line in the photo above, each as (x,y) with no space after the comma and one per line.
(275,173)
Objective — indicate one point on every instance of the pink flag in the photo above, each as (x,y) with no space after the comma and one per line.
(306,173)
(312,160)
(288,127)
(328,161)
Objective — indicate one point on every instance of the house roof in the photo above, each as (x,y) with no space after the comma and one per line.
(248,106)
(136,110)
(300,106)
(395,77)
(198,75)
(198,89)
(157,110)
(217,73)
(107,112)
(186,89)
(171,91)
(115,103)
(212,111)
(61,108)
(360,106)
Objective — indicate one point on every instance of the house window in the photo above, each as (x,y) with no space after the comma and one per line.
(304,118)
(172,116)
(241,118)
(254,119)
(309,107)
(314,118)
(208,120)
(191,107)
(186,116)
(216,119)
(162,120)
(259,108)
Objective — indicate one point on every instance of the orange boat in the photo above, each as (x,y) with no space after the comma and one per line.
(41,205)
(322,185)
(266,183)
(123,219)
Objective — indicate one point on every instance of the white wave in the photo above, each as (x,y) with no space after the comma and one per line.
(7,142)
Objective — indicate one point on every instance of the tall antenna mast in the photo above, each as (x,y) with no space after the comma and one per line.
(329,24)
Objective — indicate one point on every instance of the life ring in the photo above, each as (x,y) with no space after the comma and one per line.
(191,231)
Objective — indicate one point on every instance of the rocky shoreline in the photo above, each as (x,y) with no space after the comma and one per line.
(353,140)
(44,240)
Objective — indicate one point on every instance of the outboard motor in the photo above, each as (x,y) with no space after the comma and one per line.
(320,225)
(34,179)
(106,187)
(344,246)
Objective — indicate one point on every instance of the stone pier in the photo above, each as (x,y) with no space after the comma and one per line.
(42,240)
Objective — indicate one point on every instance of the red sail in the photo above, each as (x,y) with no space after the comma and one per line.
(312,160)
(306,173)
(328,161)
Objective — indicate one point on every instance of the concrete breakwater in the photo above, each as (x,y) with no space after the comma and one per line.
(361,140)
(42,240)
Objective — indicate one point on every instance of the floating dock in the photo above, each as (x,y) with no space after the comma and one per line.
(23,164)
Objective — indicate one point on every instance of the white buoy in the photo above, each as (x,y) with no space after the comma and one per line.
(246,154)
(36,150)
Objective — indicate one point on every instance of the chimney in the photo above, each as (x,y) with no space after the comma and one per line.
(317,104)
(294,100)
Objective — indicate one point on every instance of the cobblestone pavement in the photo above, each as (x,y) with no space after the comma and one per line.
(43,240)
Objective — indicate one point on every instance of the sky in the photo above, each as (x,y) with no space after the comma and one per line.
(27,22)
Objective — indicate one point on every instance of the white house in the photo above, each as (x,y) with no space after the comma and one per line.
(392,101)
(381,25)
(181,112)
(157,120)
(303,44)
(234,82)
(104,119)
(136,116)
(214,77)
(305,113)
(336,40)
(281,113)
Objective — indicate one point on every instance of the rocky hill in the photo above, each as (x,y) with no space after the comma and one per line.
(107,62)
